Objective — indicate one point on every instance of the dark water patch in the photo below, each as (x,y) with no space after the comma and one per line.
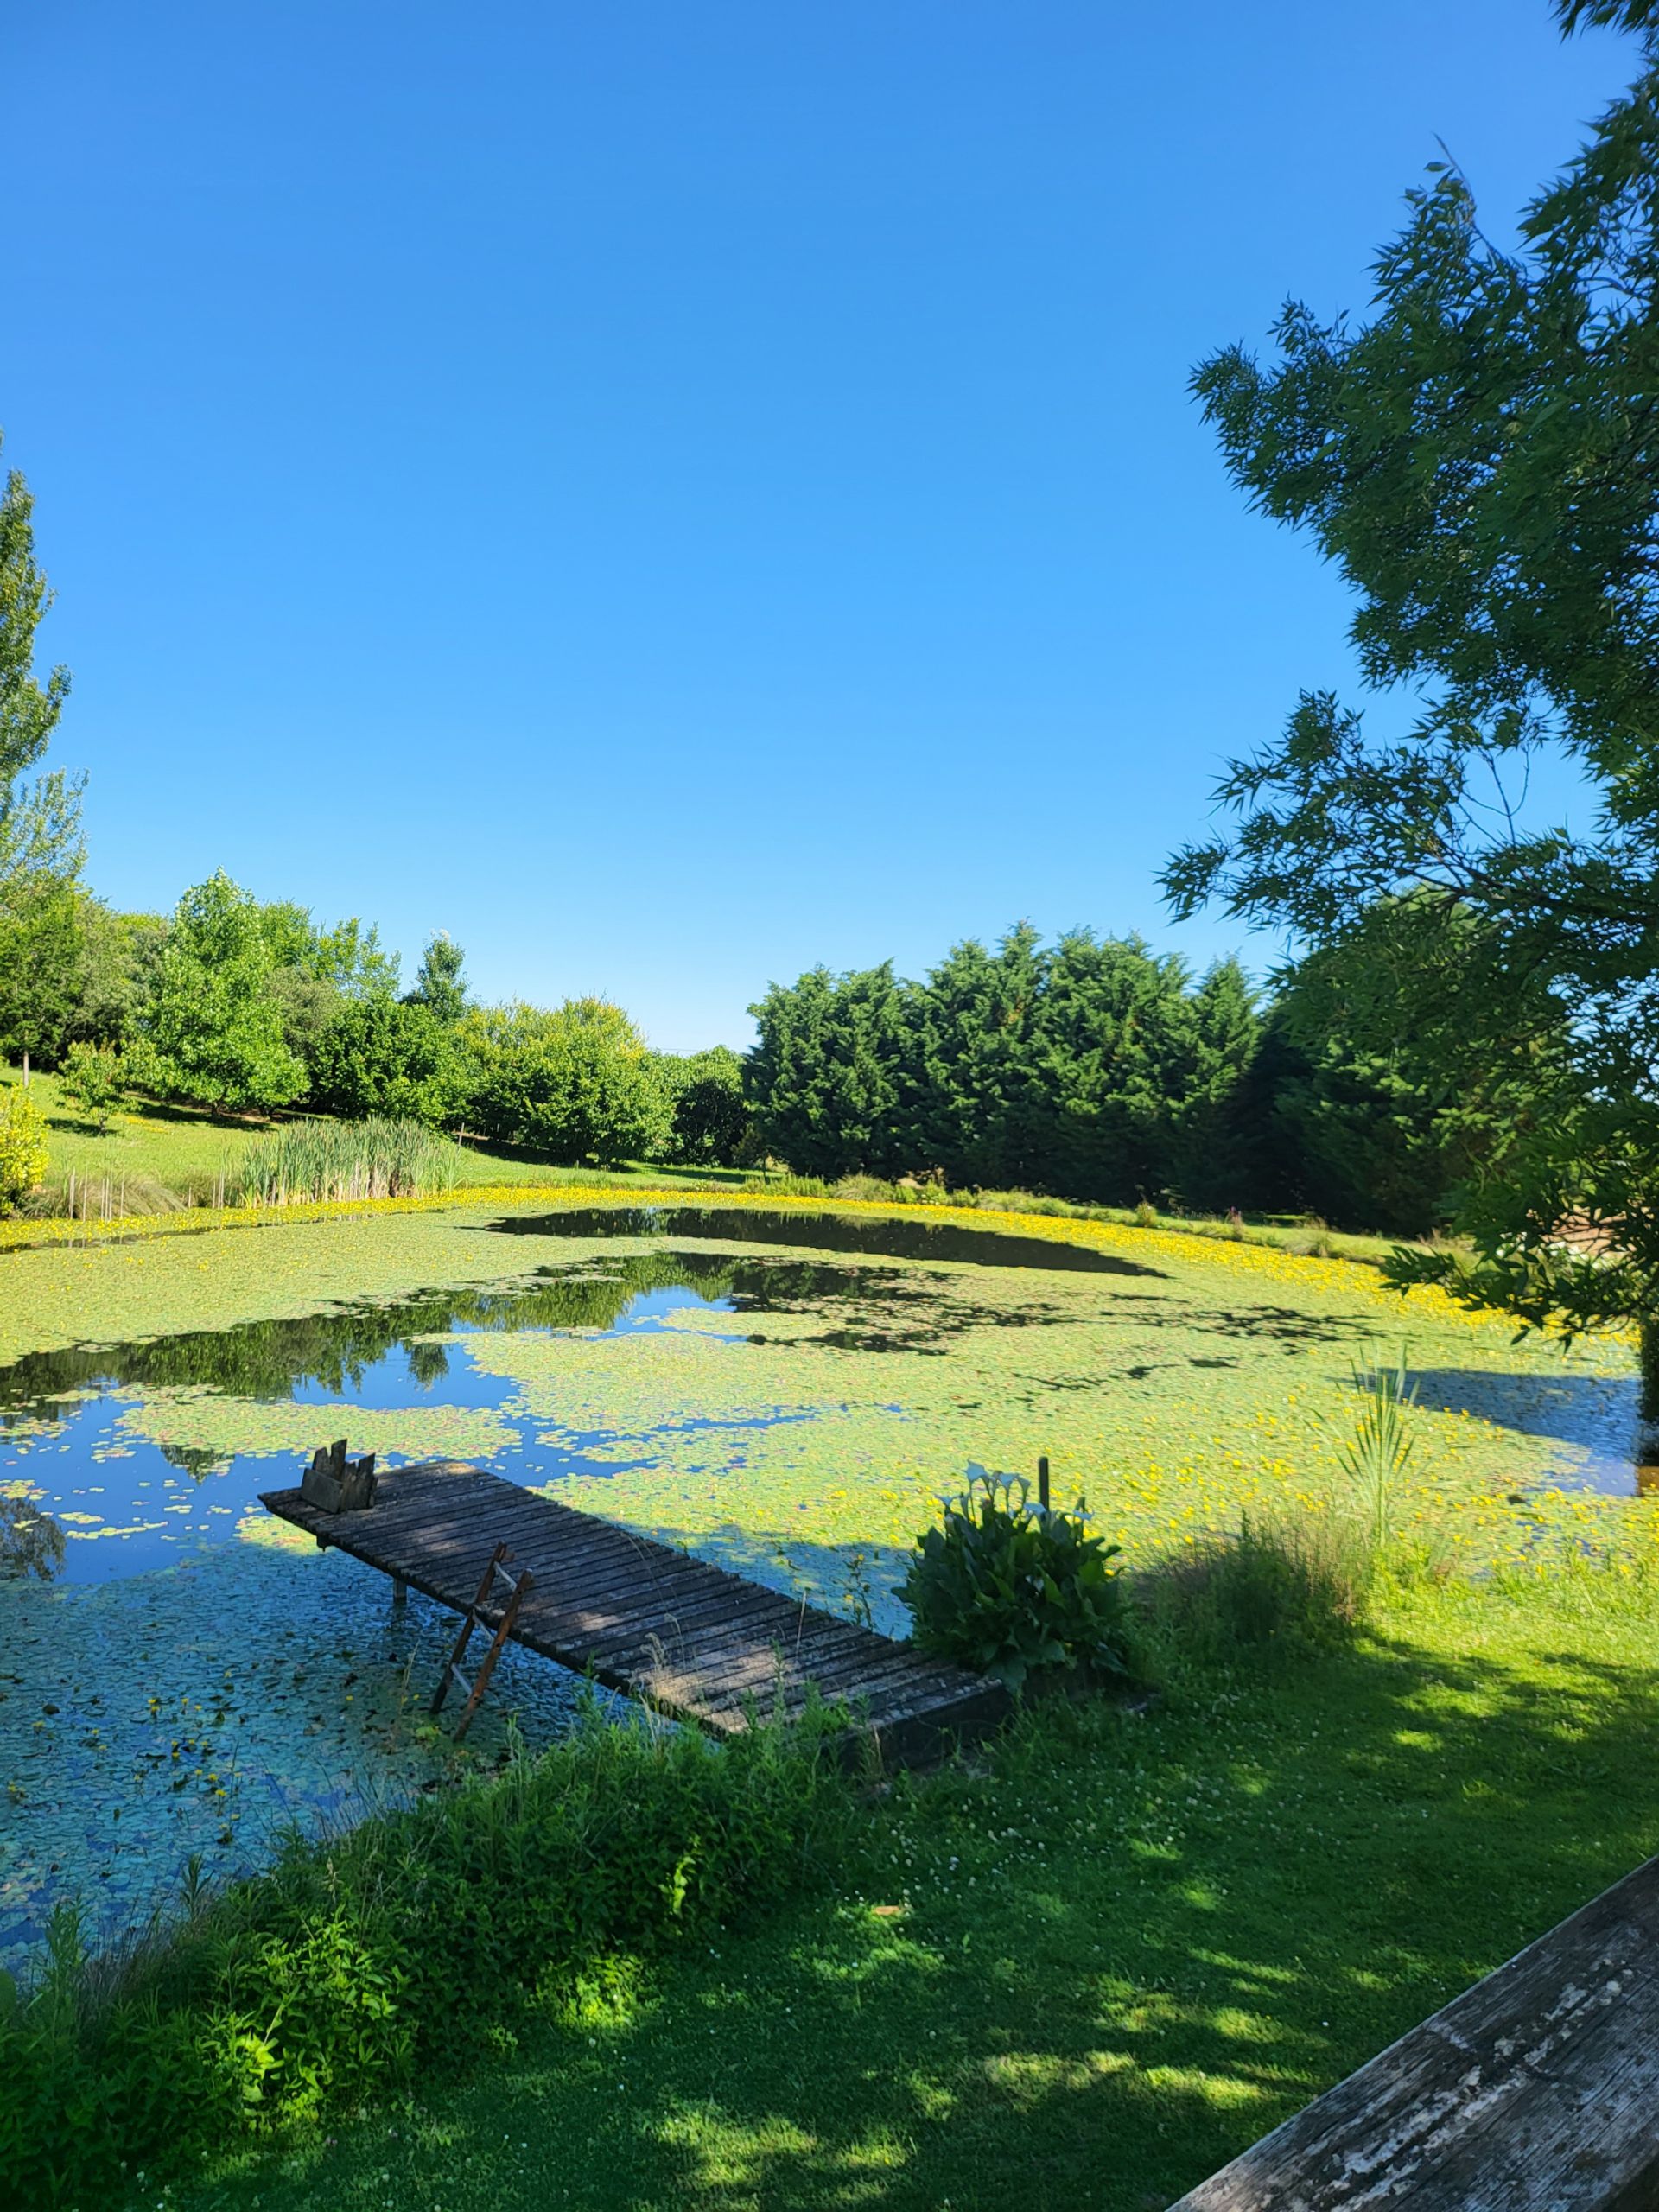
(880,1239)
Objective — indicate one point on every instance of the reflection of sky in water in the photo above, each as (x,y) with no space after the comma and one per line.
(126,1506)
(146,1715)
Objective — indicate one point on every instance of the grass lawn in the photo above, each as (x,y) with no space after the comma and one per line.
(187,1148)
(1089,1973)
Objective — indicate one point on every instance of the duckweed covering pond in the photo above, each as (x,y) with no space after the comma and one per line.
(783,1391)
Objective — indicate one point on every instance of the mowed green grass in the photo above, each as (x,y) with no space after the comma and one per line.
(186,1148)
(1087,1971)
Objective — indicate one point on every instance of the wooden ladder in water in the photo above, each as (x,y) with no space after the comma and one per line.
(517,1584)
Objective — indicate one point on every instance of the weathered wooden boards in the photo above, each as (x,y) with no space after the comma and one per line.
(1535,2091)
(685,1636)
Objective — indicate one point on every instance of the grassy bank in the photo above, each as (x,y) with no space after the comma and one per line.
(1088,1972)
(190,1151)
(196,1154)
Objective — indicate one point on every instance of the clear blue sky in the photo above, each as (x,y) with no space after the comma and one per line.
(673,493)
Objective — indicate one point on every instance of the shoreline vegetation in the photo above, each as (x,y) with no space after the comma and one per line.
(161,1170)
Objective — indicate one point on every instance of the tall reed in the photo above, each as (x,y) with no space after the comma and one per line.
(314,1161)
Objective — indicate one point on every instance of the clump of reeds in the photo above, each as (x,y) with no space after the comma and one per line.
(316,1162)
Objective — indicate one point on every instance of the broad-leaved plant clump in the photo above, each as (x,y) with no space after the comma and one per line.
(1013,1589)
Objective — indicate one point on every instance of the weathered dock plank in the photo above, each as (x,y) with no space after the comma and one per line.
(1535,2091)
(687,1636)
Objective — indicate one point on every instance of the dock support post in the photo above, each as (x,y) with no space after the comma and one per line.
(399,1591)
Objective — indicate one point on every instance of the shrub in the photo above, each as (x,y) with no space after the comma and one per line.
(387,1056)
(1013,1589)
(712,1125)
(1272,1591)
(92,1077)
(577,1081)
(22,1148)
(871,1188)
(395,1948)
(320,1160)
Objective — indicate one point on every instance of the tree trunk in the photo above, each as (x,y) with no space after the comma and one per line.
(1647,1428)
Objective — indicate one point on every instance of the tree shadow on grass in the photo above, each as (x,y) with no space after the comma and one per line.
(1116,1954)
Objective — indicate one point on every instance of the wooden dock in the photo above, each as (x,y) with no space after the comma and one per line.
(1535,2091)
(683,1635)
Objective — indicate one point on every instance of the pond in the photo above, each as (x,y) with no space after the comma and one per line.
(786,1393)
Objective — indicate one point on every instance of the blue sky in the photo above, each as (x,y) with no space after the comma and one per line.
(673,495)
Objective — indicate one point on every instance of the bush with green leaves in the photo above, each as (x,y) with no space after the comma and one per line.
(386,1055)
(94,1079)
(1016,1590)
(577,1081)
(404,1946)
(22,1148)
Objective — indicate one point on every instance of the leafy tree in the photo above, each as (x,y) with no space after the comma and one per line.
(978,1111)
(42,953)
(1481,460)
(574,1081)
(712,1121)
(440,984)
(830,1077)
(314,970)
(38,821)
(214,1030)
(94,1079)
(348,956)
(380,1055)
(118,957)
(1121,1055)
(1215,1156)
(39,843)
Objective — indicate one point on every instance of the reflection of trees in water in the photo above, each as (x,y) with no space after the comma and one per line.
(193,1460)
(334,1350)
(267,1359)
(880,1237)
(31,1542)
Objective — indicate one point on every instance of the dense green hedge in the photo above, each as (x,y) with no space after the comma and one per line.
(397,1946)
